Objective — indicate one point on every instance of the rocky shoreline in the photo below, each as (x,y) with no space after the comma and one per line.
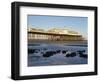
(80,53)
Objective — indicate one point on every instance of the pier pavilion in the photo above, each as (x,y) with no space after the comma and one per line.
(54,35)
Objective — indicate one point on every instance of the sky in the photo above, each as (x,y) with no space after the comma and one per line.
(78,24)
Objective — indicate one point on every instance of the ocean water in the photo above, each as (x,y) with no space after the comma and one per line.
(37,57)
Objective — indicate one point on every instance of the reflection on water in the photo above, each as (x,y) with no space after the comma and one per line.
(56,54)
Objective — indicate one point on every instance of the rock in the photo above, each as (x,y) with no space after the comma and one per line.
(31,51)
(73,54)
(83,55)
(64,51)
(68,55)
(49,53)
(58,51)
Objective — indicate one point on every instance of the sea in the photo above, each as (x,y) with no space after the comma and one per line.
(44,54)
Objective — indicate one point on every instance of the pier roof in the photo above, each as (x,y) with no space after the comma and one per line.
(54,31)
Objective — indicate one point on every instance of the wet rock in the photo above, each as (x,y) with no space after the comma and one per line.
(73,54)
(36,51)
(83,55)
(81,52)
(64,51)
(49,53)
(31,51)
(58,51)
(68,55)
